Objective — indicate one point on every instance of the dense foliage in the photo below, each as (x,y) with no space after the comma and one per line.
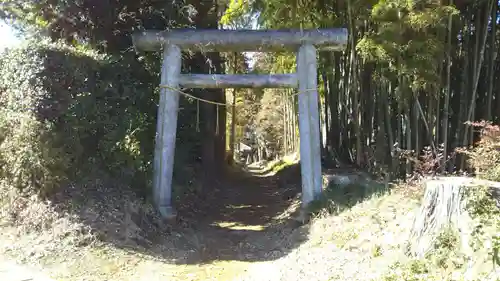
(106,28)
(65,110)
(413,73)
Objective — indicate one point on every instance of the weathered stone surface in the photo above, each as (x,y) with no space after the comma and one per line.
(334,39)
(206,81)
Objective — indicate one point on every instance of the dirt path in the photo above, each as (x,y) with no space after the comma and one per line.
(10,271)
(240,231)
(240,223)
(243,222)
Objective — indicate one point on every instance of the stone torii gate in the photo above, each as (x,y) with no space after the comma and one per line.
(304,42)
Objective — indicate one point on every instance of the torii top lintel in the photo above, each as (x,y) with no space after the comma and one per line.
(241,40)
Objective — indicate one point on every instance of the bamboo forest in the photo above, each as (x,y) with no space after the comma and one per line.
(409,111)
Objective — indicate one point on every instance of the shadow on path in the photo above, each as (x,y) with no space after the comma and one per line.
(239,220)
(243,223)
(248,217)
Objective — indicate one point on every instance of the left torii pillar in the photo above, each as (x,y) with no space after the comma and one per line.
(166,130)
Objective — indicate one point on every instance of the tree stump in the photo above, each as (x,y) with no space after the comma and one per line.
(443,206)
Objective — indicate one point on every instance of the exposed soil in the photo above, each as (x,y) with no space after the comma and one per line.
(245,219)
(243,230)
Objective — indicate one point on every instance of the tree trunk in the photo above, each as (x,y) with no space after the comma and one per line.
(478,62)
(326,90)
(354,91)
(491,63)
(214,143)
(447,95)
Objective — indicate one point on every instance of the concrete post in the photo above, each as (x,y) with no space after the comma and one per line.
(167,130)
(310,151)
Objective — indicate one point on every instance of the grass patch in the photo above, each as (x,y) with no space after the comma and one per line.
(359,230)
(337,198)
(67,250)
(443,262)
(368,237)
(274,167)
(281,165)
(448,259)
(351,232)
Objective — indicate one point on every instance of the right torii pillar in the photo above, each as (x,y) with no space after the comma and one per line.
(309,125)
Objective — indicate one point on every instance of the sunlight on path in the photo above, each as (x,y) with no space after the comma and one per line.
(237,226)
(10,271)
(242,228)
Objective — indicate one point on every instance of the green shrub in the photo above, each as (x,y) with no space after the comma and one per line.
(484,157)
(66,110)
(336,198)
(27,156)
(486,214)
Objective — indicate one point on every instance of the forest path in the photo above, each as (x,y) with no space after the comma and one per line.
(242,230)
(248,218)
(245,220)
(10,271)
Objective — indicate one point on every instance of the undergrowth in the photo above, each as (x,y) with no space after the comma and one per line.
(481,204)
(66,110)
(484,156)
(443,262)
(448,260)
(337,198)
(486,214)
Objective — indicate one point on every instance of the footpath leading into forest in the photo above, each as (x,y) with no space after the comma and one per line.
(244,220)
(248,219)
(244,231)
(11,271)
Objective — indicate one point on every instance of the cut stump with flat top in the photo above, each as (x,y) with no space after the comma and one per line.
(444,206)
